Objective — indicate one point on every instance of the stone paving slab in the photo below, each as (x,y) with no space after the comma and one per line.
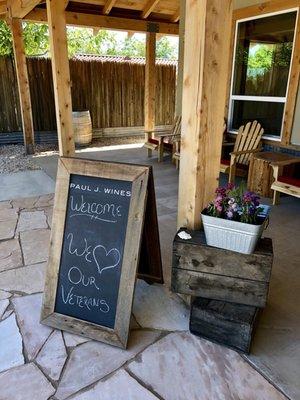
(181,366)
(30,220)
(8,222)
(4,205)
(25,383)
(35,245)
(10,345)
(49,213)
(24,203)
(53,355)
(72,340)
(157,308)
(7,314)
(119,387)
(4,294)
(91,361)
(3,306)
(30,279)
(7,230)
(10,254)
(28,310)
(8,214)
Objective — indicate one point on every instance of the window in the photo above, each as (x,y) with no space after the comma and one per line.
(262,61)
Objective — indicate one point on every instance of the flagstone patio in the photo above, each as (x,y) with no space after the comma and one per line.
(163,360)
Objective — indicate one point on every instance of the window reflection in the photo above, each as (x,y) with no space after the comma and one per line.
(262,63)
(263,55)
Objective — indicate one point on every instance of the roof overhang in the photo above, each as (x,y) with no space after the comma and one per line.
(160,16)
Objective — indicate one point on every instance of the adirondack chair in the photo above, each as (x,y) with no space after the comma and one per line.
(164,143)
(285,182)
(176,154)
(247,142)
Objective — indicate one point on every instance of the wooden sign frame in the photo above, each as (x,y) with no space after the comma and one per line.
(139,176)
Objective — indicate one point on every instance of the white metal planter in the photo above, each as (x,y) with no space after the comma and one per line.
(231,235)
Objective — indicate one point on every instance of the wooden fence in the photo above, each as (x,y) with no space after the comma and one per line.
(112,91)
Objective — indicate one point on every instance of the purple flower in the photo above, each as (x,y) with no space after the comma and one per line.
(229,214)
(221,191)
(234,204)
(250,197)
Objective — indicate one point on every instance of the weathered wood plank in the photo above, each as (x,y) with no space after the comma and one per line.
(106,22)
(138,175)
(206,55)
(220,287)
(150,86)
(195,255)
(201,270)
(229,324)
(23,84)
(96,86)
(61,76)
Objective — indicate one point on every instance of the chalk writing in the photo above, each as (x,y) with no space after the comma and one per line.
(74,299)
(76,277)
(103,258)
(93,246)
(103,212)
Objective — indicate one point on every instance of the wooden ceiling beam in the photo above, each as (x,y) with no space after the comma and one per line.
(176,16)
(3,9)
(130,34)
(151,4)
(20,8)
(108,6)
(106,22)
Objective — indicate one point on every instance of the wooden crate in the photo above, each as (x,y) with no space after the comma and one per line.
(229,324)
(201,270)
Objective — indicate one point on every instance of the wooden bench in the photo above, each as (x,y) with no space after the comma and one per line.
(285,183)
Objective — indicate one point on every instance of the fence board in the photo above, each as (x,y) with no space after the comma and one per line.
(112,91)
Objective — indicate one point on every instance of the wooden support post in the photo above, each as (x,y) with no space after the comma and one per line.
(150,86)
(61,76)
(207,38)
(179,83)
(23,84)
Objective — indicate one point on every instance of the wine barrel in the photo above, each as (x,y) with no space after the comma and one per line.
(82,126)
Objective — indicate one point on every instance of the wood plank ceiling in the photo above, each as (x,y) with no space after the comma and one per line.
(166,11)
(152,10)
(3,8)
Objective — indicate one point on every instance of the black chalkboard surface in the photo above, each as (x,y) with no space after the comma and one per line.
(98,231)
(93,246)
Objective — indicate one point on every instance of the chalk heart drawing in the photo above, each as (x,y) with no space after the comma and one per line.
(106,259)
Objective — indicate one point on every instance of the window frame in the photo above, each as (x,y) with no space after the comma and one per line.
(272,99)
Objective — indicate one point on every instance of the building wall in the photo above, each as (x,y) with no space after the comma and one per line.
(296,126)
(295,139)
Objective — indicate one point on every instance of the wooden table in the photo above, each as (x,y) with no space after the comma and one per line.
(260,176)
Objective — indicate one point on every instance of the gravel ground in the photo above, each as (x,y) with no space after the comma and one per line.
(14,159)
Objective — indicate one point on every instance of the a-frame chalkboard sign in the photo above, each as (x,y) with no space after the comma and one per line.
(104,217)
